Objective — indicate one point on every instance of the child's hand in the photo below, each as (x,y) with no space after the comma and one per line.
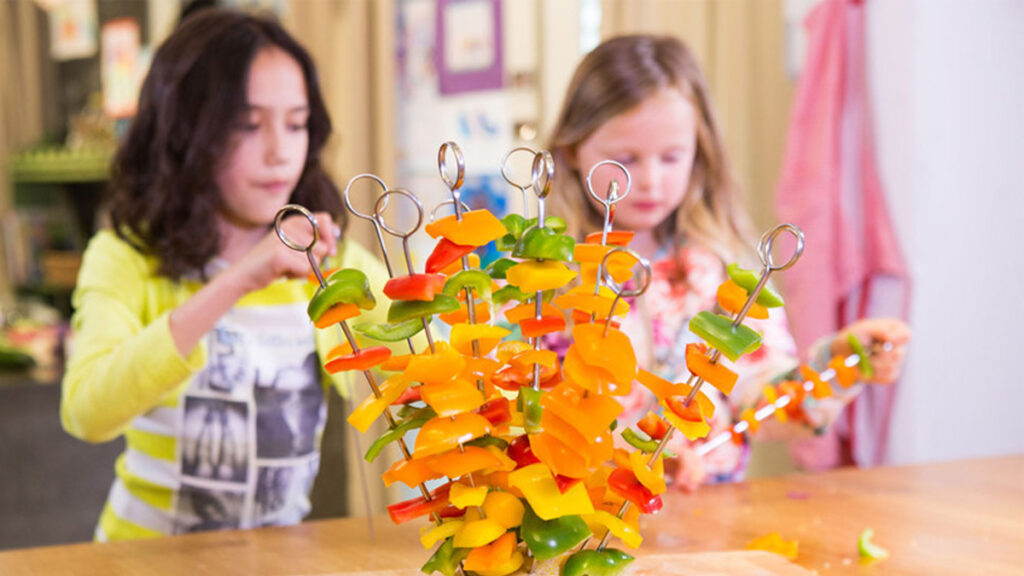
(874,333)
(270,259)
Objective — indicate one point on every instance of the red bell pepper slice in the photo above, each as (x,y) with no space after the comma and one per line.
(414,508)
(363,360)
(534,327)
(411,394)
(653,425)
(689,413)
(565,483)
(624,483)
(444,254)
(519,450)
(497,411)
(421,287)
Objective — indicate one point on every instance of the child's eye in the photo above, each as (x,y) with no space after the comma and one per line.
(625,160)
(298,126)
(249,126)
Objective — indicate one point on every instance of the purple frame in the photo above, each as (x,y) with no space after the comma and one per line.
(455,82)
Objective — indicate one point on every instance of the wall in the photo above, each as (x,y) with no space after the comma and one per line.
(947,90)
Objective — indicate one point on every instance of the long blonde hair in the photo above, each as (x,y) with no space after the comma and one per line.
(617,76)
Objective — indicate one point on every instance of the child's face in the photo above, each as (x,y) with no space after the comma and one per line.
(656,142)
(267,151)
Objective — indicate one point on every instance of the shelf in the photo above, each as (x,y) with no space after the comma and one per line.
(60,165)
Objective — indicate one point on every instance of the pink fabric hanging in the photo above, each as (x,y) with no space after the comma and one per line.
(852,267)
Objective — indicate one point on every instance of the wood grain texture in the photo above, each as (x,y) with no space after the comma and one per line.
(953,518)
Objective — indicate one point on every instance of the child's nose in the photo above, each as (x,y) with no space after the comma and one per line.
(274,145)
(647,173)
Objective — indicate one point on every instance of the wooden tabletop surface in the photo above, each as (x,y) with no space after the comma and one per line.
(964,517)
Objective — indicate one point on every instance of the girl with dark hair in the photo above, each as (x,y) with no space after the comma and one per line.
(189,297)
(643,101)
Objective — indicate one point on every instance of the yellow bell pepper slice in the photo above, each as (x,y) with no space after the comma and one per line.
(371,408)
(475,533)
(533,276)
(431,534)
(582,298)
(619,528)
(504,508)
(692,430)
(466,460)
(489,337)
(652,479)
(548,502)
(462,496)
(477,227)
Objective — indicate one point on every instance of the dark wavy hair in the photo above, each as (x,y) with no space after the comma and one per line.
(164,196)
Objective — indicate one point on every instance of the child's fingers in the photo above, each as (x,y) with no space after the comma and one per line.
(330,234)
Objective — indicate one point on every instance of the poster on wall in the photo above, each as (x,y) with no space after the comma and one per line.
(469,45)
(72,29)
(120,69)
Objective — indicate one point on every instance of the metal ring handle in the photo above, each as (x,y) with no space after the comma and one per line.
(382,204)
(348,201)
(542,173)
(506,168)
(608,201)
(433,213)
(279,219)
(460,165)
(767,242)
(605,273)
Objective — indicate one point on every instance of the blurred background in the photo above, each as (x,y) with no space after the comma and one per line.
(940,112)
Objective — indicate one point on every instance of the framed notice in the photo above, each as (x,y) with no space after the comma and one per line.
(469,45)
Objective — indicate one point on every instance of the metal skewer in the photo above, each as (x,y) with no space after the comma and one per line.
(765,247)
(542,173)
(506,173)
(308,249)
(611,197)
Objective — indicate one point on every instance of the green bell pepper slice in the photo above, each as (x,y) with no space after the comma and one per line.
(392,435)
(607,562)
(485,441)
(867,371)
(747,280)
(529,404)
(390,332)
(446,559)
(549,538)
(507,293)
(402,310)
(345,286)
(544,243)
(645,445)
(717,330)
(499,267)
(478,280)
(868,549)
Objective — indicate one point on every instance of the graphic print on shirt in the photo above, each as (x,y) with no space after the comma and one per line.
(250,421)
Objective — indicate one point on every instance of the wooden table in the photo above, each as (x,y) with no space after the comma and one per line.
(954,518)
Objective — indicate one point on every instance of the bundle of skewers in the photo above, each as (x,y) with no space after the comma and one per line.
(514,457)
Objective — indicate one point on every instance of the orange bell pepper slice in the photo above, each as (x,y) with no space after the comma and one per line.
(524,361)
(337,314)
(653,425)
(396,363)
(439,366)
(691,420)
(452,397)
(591,416)
(610,350)
(770,396)
(717,374)
(495,559)
(476,228)
(462,461)
(443,434)
(536,327)
(845,375)
(412,473)
(559,458)
(616,237)
(506,350)
(529,310)
(456,266)
(593,378)
(821,388)
(482,316)
(731,297)
(583,299)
